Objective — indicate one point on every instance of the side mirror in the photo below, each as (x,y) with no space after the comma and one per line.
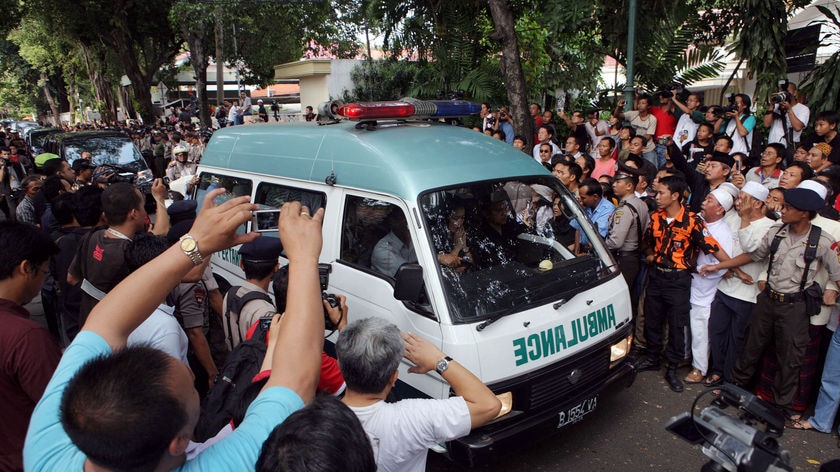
(409,283)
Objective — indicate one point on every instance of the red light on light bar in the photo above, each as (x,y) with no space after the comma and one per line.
(376,110)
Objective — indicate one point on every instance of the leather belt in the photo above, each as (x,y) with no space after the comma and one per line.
(780,297)
(634,252)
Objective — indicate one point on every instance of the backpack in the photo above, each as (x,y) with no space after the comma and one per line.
(242,364)
(234,306)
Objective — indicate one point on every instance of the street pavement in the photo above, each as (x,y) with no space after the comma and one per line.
(627,433)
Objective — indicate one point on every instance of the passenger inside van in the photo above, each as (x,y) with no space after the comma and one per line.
(494,242)
(395,249)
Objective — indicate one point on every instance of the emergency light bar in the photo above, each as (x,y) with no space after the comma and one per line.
(408,108)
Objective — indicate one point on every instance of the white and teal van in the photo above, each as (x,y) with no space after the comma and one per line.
(546,330)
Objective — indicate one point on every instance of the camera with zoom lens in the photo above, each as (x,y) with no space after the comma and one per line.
(491,119)
(779,97)
(729,109)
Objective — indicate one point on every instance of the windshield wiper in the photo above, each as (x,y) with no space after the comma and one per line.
(490,321)
(496,318)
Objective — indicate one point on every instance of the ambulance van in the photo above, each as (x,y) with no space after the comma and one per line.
(452,235)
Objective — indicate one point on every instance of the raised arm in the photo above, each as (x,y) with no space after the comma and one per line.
(482,403)
(297,354)
(136,297)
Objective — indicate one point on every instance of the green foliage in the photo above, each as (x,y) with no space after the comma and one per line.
(822,84)
(381,80)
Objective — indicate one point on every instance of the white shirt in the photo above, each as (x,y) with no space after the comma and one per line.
(601,125)
(740,143)
(390,253)
(747,240)
(686,130)
(555,149)
(162,331)
(402,432)
(703,288)
(777,133)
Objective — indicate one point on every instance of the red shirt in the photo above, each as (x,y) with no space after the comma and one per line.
(29,355)
(666,122)
(331,381)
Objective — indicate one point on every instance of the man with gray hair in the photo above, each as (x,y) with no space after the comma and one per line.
(369,353)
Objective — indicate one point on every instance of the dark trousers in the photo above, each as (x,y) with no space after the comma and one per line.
(667,299)
(787,325)
(727,332)
(629,264)
(49,301)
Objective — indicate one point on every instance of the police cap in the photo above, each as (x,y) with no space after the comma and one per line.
(182,210)
(262,249)
(804,199)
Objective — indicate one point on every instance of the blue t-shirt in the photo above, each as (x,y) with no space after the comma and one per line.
(48,448)
(600,218)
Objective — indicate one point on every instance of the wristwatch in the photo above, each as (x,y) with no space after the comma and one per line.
(442,365)
(190,247)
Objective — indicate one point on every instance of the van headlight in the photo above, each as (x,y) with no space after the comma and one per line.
(145,175)
(507,403)
(620,349)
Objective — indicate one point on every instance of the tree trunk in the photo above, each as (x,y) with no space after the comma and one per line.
(48,96)
(196,37)
(220,63)
(511,66)
(102,89)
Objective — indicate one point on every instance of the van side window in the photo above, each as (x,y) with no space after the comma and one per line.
(234,187)
(372,236)
(272,197)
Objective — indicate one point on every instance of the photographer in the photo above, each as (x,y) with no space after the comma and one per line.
(690,119)
(740,123)
(666,121)
(789,117)
(504,123)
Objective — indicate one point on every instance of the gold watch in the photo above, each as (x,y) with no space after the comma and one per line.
(190,247)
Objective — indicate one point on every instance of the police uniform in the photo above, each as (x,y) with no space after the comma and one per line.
(675,246)
(627,224)
(779,315)
(238,317)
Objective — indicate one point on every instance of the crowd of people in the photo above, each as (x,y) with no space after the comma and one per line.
(730,253)
(726,237)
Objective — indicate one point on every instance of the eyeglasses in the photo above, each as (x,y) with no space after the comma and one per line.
(545,150)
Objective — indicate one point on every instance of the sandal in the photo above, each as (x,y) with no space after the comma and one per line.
(694,377)
(713,380)
(798,423)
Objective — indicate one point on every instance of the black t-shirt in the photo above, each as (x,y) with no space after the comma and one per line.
(100,260)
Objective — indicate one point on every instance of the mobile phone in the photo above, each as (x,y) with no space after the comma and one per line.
(265,221)
(738,166)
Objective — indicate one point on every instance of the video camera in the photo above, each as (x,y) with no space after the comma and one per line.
(733,443)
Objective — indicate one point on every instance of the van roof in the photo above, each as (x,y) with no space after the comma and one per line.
(397,158)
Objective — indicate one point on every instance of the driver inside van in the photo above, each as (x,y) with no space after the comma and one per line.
(494,242)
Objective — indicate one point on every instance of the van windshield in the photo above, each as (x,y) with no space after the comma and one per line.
(506,246)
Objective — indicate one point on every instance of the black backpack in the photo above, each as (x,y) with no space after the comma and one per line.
(242,364)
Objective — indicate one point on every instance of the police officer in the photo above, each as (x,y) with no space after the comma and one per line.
(780,315)
(672,243)
(627,224)
(246,304)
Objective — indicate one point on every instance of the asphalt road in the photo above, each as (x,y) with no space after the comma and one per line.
(627,433)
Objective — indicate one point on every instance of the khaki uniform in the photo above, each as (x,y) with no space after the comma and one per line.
(623,234)
(779,316)
(251,312)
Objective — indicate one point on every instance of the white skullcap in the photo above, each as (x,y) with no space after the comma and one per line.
(730,188)
(814,186)
(724,198)
(756,190)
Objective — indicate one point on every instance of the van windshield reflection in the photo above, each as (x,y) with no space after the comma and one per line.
(503,247)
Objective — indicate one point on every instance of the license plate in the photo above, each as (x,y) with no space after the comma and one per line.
(577,412)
